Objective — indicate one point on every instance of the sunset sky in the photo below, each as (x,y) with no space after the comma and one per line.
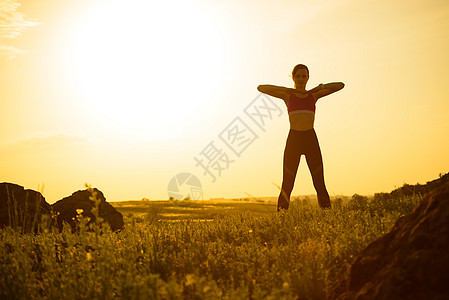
(125,95)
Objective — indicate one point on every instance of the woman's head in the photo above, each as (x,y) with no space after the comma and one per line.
(300,75)
(300,67)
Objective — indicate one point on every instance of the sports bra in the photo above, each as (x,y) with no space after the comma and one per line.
(301,105)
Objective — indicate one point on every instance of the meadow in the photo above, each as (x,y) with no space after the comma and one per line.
(198,250)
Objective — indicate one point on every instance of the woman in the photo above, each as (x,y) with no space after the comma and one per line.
(302,137)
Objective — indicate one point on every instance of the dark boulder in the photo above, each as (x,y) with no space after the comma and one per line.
(67,209)
(20,208)
(409,262)
(408,190)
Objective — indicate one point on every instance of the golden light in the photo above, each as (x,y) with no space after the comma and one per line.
(142,65)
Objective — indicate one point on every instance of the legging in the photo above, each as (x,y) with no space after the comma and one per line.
(298,143)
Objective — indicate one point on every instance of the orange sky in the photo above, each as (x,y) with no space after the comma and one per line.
(125,94)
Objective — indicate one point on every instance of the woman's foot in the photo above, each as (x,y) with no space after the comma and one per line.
(282,203)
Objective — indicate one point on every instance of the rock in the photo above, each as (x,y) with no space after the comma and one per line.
(408,190)
(67,209)
(409,262)
(21,208)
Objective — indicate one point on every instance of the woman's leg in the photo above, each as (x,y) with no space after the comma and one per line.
(315,163)
(292,156)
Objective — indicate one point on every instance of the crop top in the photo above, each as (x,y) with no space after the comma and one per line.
(301,105)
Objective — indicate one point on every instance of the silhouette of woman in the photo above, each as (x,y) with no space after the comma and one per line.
(302,138)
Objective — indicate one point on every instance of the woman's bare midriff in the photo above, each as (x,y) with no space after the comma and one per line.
(301,121)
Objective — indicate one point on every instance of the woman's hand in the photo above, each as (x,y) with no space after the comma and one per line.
(326,89)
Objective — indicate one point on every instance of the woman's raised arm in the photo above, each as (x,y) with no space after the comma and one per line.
(275,91)
(326,89)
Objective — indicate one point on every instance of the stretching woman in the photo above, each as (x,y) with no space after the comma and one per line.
(302,137)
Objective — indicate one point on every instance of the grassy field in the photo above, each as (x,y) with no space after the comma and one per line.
(190,210)
(197,250)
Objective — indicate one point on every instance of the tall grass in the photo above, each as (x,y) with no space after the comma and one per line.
(295,254)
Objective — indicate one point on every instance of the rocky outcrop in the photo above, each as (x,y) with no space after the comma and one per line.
(21,209)
(410,262)
(413,189)
(80,200)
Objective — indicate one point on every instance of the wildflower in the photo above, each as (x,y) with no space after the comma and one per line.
(79,211)
(190,279)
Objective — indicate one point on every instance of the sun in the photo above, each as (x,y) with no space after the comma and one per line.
(141,65)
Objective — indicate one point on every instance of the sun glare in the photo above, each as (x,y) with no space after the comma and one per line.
(144,65)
